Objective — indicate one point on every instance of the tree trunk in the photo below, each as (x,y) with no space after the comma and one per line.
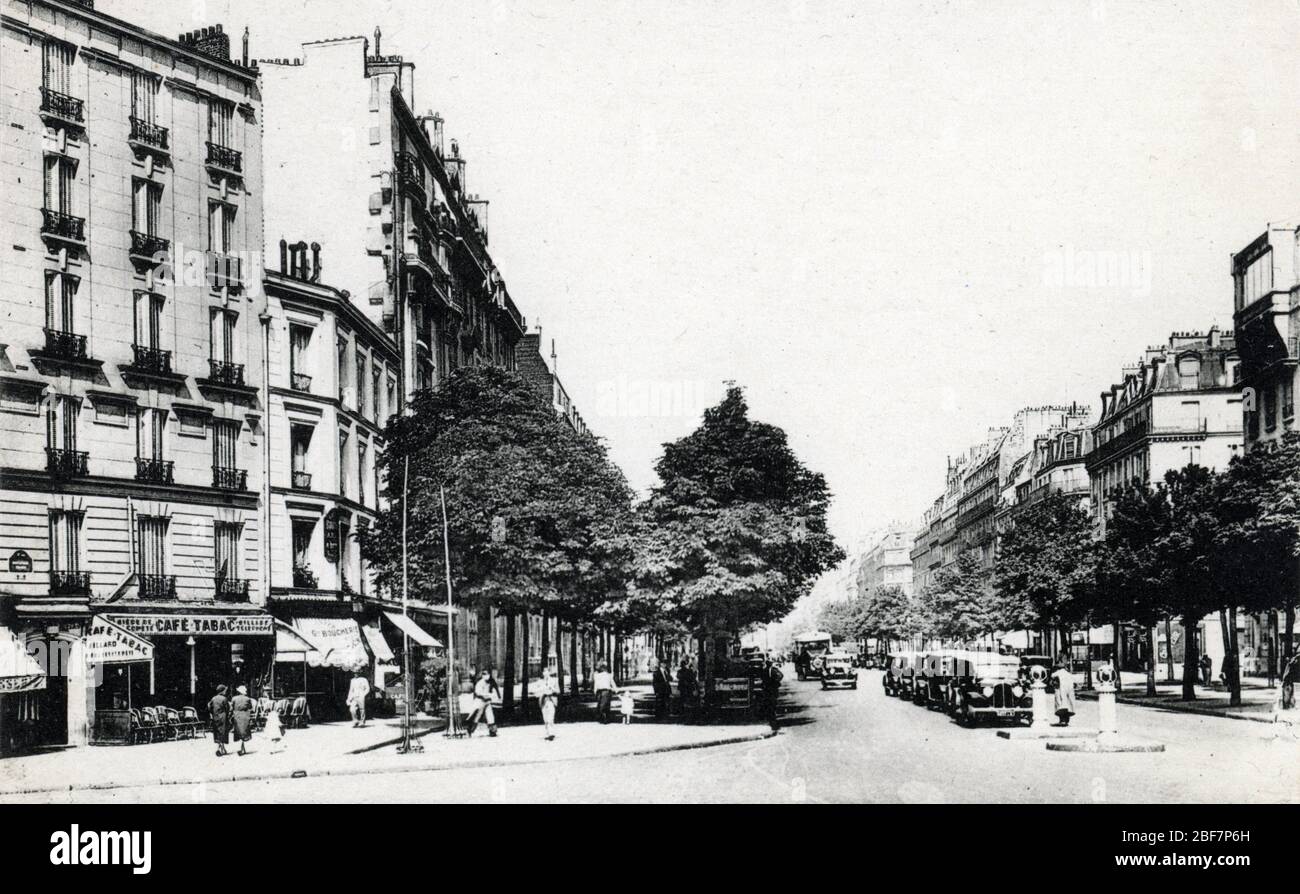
(573,658)
(1288,644)
(559,653)
(616,665)
(1087,656)
(546,641)
(1190,657)
(1234,670)
(1151,660)
(1117,658)
(527,635)
(508,699)
(483,654)
(1169,651)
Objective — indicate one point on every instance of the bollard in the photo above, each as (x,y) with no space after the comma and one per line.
(1108,724)
(1042,718)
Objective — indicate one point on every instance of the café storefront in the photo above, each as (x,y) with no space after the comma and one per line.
(22,684)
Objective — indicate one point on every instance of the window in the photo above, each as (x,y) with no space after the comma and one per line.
(65,541)
(223,327)
(299,339)
(1255,281)
(150,429)
(60,175)
(61,422)
(376,373)
(343,463)
(225,547)
(144,97)
(221,123)
(391,400)
(146,211)
(1288,399)
(1270,408)
(221,228)
(361,472)
(56,68)
(148,319)
(1189,373)
(224,443)
(342,369)
(60,301)
(151,548)
(300,443)
(303,529)
(361,383)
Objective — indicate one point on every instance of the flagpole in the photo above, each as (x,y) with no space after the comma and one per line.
(453,716)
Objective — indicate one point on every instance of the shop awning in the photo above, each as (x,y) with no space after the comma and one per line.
(289,644)
(1016,639)
(110,643)
(414,631)
(337,642)
(378,645)
(19,671)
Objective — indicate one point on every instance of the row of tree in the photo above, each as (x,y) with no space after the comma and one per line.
(540,521)
(1198,543)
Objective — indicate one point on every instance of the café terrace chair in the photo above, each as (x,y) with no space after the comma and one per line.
(299,716)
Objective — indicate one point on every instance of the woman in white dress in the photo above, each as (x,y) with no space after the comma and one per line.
(548,696)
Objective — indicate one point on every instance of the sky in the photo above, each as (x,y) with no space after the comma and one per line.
(893,224)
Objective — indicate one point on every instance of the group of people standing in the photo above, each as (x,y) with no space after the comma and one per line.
(235,716)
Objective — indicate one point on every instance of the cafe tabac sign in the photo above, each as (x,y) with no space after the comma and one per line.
(178,624)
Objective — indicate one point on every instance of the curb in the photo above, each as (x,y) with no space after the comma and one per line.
(1171,709)
(395,768)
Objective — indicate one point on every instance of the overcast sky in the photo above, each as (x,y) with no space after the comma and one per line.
(863,213)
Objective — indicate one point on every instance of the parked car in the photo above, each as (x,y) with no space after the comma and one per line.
(838,670)
(934,670)
(899,670)
(988,685)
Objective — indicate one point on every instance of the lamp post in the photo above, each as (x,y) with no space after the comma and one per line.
(408,744)
(189,641)
(453,715)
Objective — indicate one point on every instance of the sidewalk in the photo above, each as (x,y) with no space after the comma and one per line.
(334,749)
(1257,698)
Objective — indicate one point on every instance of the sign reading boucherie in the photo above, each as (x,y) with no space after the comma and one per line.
(195,625)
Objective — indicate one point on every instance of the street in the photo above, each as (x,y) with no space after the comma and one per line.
(839,746)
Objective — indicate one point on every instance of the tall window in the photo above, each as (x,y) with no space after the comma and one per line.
(299,339)
(146,210)
(61,422)
(60,301)
(1288,399)
(342,367)
(148,319)
(60,176)
(65,541)
(56,68)
(302,533)
(225,438)
(151,543)
(221,228)
(221,123)
(376,373)
(150,431)
(1270,407)
(144,97)
(225,545)
(361,472)
(361,383)
(300,443)
(343,463)
(223,327)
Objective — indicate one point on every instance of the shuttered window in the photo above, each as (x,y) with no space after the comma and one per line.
(150,433)
(144,97)
(56,68)
(151,544)
(146,209)
(60,175)
(225,539)
(60,301)
(65,541)
(148,319)
(61,423)
(225,436)
(221,123)
(222,335)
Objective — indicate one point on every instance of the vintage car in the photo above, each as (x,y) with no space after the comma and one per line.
(838,670)
(810,649)
(934,670)
(987,684)
(899,670)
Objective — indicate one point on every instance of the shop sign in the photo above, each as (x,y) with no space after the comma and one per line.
(109,643)
(195,625)
(332,536)
(20,562)
(26,683)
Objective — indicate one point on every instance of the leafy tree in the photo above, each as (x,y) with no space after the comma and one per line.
(735,532)
(539,519)
(1044,567)
(960,600)
(844,618)
(888,614)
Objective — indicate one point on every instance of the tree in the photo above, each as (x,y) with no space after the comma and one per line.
(735,532)
(538,516)
(960,602)
(888,615)
(1044,567)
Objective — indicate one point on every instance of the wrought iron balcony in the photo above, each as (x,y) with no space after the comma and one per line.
(157,586)
(232,589)
(409,171)
(229,479)
(151,360)
(61,105)
(65,345)
(63,226)
(154,471)
(146,245)
(225,158)
(149,134)
(300,382)
(223,373)
(69,583)
(66,463)
(302,480)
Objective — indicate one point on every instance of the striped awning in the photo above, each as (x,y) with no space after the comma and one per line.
(378,645)
(19,671)
(421,636)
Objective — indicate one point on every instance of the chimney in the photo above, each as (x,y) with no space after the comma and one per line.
(378,52)
(245,46)
(211,42)
(315,262)
(284,256)
(1214,336)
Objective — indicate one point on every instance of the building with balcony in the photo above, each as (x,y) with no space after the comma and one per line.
(131,410)
(888,562)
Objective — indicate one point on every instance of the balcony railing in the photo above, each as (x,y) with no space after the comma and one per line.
(149,134)
(229,479)
(151,360)
(223,373)
(61,105)
(66,463)
(157,586)
(146,245)
(63,226)
(232,589)
(225,158)
(65,345)
(69,583)
(300,382)
(302,480)
(154,471)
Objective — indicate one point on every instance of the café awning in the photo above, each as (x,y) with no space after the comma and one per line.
(19,671)
(110,643)
(414,631)
(378,645)
(289,644)
(337,642)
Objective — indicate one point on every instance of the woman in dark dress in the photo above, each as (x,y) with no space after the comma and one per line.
(241,714)
(219,715)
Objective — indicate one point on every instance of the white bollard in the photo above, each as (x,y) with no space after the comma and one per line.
(1042,718)
(1108,724)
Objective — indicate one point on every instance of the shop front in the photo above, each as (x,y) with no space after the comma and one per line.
(316,658)
(22,687)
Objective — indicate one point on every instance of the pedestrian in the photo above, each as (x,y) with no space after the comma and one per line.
(219,717)
(483,705)
(358,690)
(275,729)
(241,717)
(686,682)
(663,686)
(626,705)
(1207,669)
(603,685)
(1063,683)
(772,677)
(548,699)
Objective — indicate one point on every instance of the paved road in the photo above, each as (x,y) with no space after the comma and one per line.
(842,746)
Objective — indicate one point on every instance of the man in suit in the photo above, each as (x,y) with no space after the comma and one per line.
(663,686)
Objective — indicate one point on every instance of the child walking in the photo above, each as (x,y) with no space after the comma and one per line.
(626,705)
(275,730)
